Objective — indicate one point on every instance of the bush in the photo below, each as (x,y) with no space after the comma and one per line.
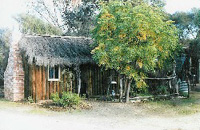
(67,99)
(161,90)
(56,99)
(30,99)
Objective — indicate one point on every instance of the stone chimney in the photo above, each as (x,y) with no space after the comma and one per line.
(14,74)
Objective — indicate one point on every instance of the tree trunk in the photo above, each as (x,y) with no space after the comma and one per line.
(121,89)
(125,86)
(128,90)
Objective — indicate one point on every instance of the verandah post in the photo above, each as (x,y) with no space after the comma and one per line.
(78,72)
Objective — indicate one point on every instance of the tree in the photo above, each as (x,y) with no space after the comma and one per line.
(50,11)
(133,40)
(184,21)
(5,36)
(196,21)
(157,3)
(80,19)
(154,3)
(31,25)
(188,24)
(74,17)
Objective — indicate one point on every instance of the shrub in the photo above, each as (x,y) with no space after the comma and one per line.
(56,99)
(30,99)
(161,90)
(67,99)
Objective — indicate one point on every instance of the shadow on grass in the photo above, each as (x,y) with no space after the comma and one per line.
(176,106)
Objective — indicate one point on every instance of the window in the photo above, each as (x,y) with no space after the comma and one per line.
(54,73)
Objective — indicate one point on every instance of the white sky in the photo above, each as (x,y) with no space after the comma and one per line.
(10,8)
(181,5)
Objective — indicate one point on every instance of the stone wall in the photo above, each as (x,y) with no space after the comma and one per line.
(14,75)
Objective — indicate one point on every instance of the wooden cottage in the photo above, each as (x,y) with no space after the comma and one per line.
(41,65)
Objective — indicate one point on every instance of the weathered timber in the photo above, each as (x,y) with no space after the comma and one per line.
(93,79)
(34,83)
(47,85)
(43,83)
(30,81)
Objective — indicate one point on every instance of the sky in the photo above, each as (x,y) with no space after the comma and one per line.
(10,8)
(181,5)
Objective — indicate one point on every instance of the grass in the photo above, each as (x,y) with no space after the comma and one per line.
(35,109)
(175,106)
(6,104)
(38,111)
(22,107)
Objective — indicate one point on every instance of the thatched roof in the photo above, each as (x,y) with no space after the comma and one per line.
(52,50)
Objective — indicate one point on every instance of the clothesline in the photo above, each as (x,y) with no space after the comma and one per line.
(162,78)
(167,78)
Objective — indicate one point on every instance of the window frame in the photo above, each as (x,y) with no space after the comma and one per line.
(54,79)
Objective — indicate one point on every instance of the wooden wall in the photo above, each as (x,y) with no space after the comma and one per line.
(97,79)
(93,80)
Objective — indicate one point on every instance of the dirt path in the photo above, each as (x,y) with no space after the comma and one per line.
(103,116)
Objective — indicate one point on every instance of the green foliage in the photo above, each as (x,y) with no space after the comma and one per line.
(157,3)
(30,99)
(80,19)
(56,99)
(161,90)
(196,16)
(184,21)
(75,19)
(5,37)
(154,3)
(133,40)
(188,24)
(67,99)
(32,25)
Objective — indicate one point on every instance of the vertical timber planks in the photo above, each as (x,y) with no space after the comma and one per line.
(33,82)
(47,85)
(54,86)
(30,80)
(50,88)
(96,82)
(90,81)
(40,83)
(43,83)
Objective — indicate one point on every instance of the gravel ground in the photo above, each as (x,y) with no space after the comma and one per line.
(103,116)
